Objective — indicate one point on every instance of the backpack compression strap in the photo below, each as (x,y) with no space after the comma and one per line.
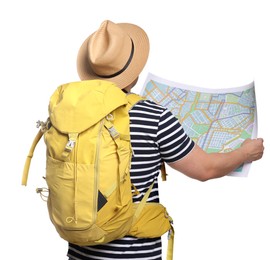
(29,157)
(170,244)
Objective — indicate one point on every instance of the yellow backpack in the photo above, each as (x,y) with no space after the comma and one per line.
(87,170)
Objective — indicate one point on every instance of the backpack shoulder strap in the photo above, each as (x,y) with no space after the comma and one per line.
(134,99)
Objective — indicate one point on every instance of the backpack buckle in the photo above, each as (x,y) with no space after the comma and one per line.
(113,132)
(72,137)
(70,145)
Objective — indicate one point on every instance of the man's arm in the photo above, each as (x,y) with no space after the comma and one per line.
(204,166)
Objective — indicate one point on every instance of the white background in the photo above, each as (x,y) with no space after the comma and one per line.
(205,43)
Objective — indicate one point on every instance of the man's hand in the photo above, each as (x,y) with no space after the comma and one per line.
(204,166)
(252,149)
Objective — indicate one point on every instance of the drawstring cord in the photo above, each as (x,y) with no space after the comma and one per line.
(44,193)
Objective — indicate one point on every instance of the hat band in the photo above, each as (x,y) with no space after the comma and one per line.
(124,68)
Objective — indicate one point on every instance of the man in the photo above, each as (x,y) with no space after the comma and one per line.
(118,53)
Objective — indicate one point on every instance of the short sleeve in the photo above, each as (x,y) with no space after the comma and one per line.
(174,143)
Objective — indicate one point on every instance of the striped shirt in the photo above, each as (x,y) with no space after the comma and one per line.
(156,136)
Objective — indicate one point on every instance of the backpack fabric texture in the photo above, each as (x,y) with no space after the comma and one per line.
(87,167)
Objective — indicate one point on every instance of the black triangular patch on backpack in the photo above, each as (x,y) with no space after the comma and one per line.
(101,200)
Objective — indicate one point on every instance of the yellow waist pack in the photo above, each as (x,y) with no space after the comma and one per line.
(87,170)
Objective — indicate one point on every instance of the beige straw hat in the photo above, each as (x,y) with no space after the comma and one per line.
(115,52)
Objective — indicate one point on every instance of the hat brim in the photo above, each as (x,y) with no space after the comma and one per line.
(139,59)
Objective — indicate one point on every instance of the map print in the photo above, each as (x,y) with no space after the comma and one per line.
(218,120)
